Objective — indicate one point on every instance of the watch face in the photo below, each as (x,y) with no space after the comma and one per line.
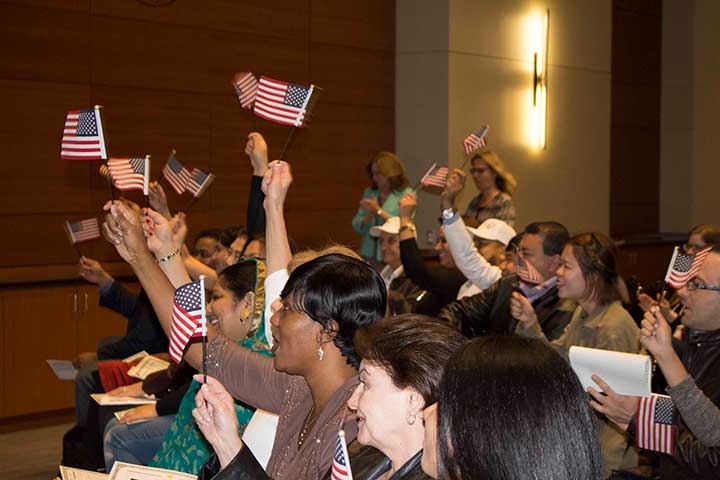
(448,213)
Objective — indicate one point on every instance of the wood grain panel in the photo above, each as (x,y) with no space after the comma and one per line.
(34,332)
(369,24)
(44,44)
(353,77)
(280,18)
(95,322)
(78,5)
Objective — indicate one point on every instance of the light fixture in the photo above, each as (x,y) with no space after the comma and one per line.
(540,76)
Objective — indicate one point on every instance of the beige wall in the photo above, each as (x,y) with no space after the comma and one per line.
(489,80)
(690,104)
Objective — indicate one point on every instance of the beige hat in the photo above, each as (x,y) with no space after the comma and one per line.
(494,229)
(391,225)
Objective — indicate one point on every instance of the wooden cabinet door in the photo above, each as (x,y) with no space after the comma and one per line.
(38,323)
(94,321)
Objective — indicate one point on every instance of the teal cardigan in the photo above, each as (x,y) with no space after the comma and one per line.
(368,246)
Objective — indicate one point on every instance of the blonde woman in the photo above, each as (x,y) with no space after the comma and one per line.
(495,188)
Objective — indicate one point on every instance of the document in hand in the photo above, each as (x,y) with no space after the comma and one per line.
(626,373)
(68,473)
(147,366)
(105,399)
(128,471)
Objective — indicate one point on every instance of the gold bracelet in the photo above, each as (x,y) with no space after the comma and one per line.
(409,227)
(168,257)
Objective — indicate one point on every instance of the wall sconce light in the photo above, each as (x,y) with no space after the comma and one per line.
(540,75)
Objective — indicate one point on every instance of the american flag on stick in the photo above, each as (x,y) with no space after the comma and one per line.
(83,137)
(684,266)
(105,172)
(528,273)
(435,177)
(188,317)
(655,424)
(131,173)
(283,102)
(341,460)
(476,140)
(176,174)
(199,182)
(246,86)
(83,230)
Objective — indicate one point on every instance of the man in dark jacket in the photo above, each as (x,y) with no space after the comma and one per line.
(694,385)
(489,311)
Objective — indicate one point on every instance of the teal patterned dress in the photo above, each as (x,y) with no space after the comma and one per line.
(184,447)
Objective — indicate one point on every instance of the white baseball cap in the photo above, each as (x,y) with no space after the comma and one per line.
(391,225)
(494,229)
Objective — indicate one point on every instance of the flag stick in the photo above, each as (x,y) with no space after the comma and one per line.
(107,157)
(288,143)
(190,204)
(254,119)
(204,329)
(110,187)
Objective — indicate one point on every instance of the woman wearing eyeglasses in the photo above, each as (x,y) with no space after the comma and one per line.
(495,188)
(588,275)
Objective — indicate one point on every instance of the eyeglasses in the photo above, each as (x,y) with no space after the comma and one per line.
(690,248)
(696,284)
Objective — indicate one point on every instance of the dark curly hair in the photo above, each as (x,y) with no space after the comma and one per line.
(340,288)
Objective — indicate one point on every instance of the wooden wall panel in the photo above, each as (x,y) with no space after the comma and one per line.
(163,76)
(44,44)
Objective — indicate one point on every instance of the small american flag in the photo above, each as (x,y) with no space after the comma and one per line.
(435,177)
(130,173)
(246,86)
(198,182)
(341,460)
(655,424)
(83,230)
(189,320)
(528,273)
(282,102)
(476,140)
(105,172)
(683,266)
(83,136)
(176,174)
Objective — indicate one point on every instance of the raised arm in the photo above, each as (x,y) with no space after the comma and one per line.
(256,148)
(276,185)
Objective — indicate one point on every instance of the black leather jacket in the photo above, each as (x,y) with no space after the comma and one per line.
(700,354)
(368,463)
(488,312)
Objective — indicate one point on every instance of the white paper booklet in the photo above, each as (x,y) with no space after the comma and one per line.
(105,399)
(136,356)
(626,373)
(147,365)
(63,369)
(121,413)
(259,435)
(127,471)
(68,473)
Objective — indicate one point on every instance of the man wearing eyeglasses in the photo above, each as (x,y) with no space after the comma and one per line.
(691,366)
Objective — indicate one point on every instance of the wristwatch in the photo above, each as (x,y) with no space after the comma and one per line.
(409,227)
(448,213)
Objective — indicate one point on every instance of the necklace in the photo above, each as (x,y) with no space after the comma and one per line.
(307,426)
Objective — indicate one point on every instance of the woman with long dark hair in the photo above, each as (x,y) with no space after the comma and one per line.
(510,409)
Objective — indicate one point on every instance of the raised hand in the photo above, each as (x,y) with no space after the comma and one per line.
(453,185)
(408,204)
(256,148)
(179,228)
(276,182)
(122,229)
(92,271)
(158,200)
(656,334)
(159,233)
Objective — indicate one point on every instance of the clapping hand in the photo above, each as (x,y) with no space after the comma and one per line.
(453,185)
(122,229)
(408,204)
(158,232)
(370,205)
(158,200)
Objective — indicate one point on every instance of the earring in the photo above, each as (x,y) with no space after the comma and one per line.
(245,315)
(410,419)
(320,353)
